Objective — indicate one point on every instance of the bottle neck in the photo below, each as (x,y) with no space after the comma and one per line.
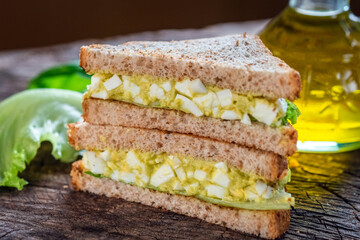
(320,7)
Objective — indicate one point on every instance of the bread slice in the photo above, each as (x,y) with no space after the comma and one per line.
(258,135)
(266,224)
(270,166)
(240,63)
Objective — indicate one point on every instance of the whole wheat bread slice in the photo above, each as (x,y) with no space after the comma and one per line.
(240,63)
(258,135)
(266,224)
(270,166)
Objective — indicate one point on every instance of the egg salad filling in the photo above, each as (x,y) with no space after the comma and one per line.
(214,182)
(191,96)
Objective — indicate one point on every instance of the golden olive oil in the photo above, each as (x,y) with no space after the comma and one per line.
(326,52)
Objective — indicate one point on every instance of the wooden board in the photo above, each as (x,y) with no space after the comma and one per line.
(326,187)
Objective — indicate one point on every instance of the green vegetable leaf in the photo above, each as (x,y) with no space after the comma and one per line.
(283,201)
(292,113)
(93,174)
(29,118)
(67,76)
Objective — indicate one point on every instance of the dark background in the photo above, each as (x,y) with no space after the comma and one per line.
(33,23)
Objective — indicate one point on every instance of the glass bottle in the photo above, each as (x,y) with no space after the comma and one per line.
(321,39)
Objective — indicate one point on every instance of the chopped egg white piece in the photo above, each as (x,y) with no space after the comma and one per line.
(178,186)
(95,80)
(96,164)
(221,179)
(215,191)
(250,195)
(115,175)
(215,111)
(166,86)
(199,175)
(225,97)
(264,112)
(278,123)
(175,162)
(190,174)
(156,91)
(144,178)
(188,105)
(192,188)
(125,78)
(180,173)
(196,86)
(132,88)
(112,83)
(183,88)
(246,119)
(105,155)
(260,187)
(229,115)
(101,95)
(268,193)
(131,159)
(208,101)
(127,177)
(222,166)
(282,105)
(162,175)
(138,100)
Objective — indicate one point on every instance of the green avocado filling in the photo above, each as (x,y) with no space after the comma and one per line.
(191,96)
(210,181)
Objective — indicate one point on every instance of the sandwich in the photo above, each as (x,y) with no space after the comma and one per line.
(198,127)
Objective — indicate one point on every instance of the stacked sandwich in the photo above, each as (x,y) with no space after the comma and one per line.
(198,127)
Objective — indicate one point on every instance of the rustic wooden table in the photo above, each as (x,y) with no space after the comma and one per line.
(326,187)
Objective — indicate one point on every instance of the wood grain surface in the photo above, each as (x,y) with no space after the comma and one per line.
(326,187)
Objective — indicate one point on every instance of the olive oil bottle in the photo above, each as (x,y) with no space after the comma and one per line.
(321,39)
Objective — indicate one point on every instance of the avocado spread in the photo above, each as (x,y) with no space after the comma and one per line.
(189,96)
(211,181)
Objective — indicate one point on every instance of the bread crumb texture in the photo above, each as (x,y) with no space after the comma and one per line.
(240,63)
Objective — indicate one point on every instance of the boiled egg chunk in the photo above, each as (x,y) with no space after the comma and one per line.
(179,175)
(188,95)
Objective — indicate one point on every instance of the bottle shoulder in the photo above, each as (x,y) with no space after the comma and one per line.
(313,38)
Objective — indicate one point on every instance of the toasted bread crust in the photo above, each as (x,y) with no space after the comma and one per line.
(266,224)
(240,63)
(106,112)
(270,166)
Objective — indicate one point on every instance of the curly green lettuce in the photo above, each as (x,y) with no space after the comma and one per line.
(292,113)
(29,118)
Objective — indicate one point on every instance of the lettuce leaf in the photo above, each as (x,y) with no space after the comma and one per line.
(292,113)
(65,76)
(93,174)
(283,201)
(29,118)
